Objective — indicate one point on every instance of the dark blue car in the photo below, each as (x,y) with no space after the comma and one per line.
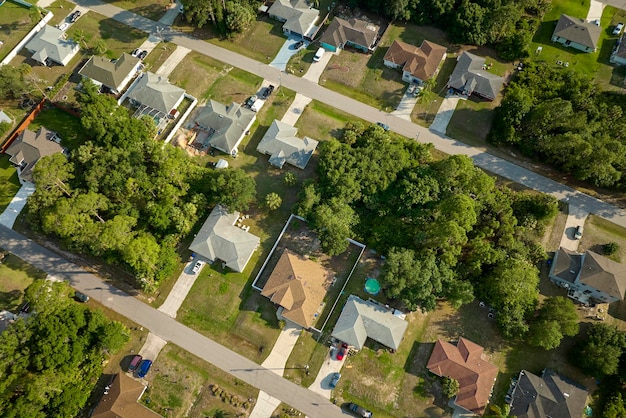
(143,368)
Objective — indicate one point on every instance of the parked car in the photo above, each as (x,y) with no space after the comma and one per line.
(74,16)
(298,44)
(144,368)
(143,54)
(136,53)
(334,380)
(81,297)
(342,351)
(382,125)
(618,29)
(579,232)
(134,363)
(248,103)
(197,267)
(596,22)
(268,90)
(63,26)
(359,411)
(319,54)
(411,89)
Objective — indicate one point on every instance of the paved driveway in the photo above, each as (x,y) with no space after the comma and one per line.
(405,107)
(595,10)
(286,52)
(8,217)
(445,112)
(317,68)
(180,290)
(576,217)
(331,365)
(295,109)
(172,61)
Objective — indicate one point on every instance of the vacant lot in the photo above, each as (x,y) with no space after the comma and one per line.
(152,9)
(322,122)
(15,277)
(9,182)
(15,22)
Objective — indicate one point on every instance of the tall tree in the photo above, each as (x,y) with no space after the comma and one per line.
(557,318)
(600,352)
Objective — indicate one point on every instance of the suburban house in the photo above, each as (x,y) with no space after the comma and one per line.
(29,147)
(589,276)
(550,395)
(356,33)
(299,17)
(155,96)
(121,400)
(618,56)
(220,239)
(418,64)
(282,145)
(361,319)
(298,285)
(470,76)
(225,126)
(466,363)
(50,46)
(576,33)
(114,75)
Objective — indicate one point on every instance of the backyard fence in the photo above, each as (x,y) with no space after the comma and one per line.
(39,26)
(23,125)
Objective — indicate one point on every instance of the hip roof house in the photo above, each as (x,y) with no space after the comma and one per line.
(299,17)
(298,285)
(220,239)
(576,33)
(418,64)
(114,75)
(156,93)
(121,400)
(360,320)
(466,363)
(49,46)
(356,33)
(226,125)
(29,148)
(470,77)
(281,143)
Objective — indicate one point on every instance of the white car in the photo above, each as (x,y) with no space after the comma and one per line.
(63,26)
(319,54)
(618,29)
(197,267)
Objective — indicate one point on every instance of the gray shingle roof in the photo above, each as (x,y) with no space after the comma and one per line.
(362,319)
(49,43)
(550,395)
(228,124)
(297,14)
(281,143)
(577,30)
(29,148)
(111,74)
(220,239)
(469,77)
(157,93)
(359,32)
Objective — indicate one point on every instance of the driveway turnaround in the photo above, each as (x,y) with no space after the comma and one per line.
(575,218)
(8,217)
(167,328)
(445,112)
(173,60)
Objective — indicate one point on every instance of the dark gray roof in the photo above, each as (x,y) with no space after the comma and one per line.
(50,43)
(29,148)
(157,93)
(620,48)
(359,32)
(362,319)
(281,143)
(220,239)
(470,77)
(111,74)
(550,395)
(577,30)
(228,124)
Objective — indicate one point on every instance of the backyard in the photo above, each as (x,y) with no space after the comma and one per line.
(65,124)
(9,182)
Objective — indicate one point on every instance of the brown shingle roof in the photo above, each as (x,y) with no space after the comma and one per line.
(421,62)
(121,401)
(299,286)
(465,363)
(359,32)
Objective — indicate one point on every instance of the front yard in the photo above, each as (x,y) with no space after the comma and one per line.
(152,9)
(9,182)
(15,22)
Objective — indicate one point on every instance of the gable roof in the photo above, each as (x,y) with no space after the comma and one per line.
(111,74)
(590,269)
(121,401)
(297,14)
(226,123)
(465,362)
(362,319)
(620,48)
(219,238)
(577,30)
(550,395)
(157,93)
(281,143)
(359,32)
(420,62)
(298,285)
(29,147)
(468,76)
(50,43)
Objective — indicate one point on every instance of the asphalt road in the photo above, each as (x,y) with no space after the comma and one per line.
(310,89)
(164,326)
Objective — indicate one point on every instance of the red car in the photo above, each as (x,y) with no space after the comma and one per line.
(342,351)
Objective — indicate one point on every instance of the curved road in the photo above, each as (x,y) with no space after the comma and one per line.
(404,127)
(166,327)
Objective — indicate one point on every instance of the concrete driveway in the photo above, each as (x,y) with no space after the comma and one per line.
(331,365)
(180,290)
(286,52)
(405,108)
(8,217)
(445,112)
(295,109)
(317,68)
(152,347)
(595,10)
(172,61)
(576,217)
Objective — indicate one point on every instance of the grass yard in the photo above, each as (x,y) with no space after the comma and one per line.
(15,22)
(158,56)
(60,9)
(247,43)
(9,182)
(66,125)
(471,121)
(597,232)
(323,122)
(595,65)
(413,34)
(15,277)
(180,385)
(152,9)
(428,103)
(299,63)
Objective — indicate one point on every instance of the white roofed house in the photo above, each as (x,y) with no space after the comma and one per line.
(225,126)
(50,46)
(155,95)
(282,145)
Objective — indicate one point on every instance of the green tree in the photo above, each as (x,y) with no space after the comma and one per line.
(290,179)
(450,387)
(615,407)
(234,189)
(100,47)
(333,222)
(557,318)
(13,81)
(600,351)
(273,201)
(239,16)
(610,248)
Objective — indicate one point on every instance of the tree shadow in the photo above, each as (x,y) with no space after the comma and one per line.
(10,300)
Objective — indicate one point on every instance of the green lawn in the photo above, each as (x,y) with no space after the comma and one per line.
(322,122)
(66,125)
(9,182)
(15,22)
(152,9)
(158,56)
(471,121)
(60,9)
(15,276)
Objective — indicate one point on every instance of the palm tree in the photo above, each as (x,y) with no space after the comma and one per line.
(220,413)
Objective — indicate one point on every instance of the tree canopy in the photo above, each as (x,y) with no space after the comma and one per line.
(50,363)
(444,227)
(556,319)
(600,352)
(225,16)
